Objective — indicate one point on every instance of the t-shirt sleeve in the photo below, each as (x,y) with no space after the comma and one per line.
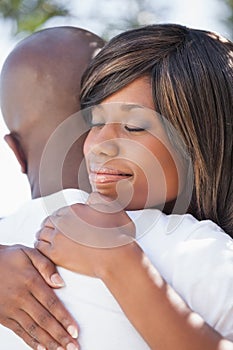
(203,275)
(195,258)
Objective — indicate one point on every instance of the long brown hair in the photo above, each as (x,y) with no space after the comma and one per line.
(191,74)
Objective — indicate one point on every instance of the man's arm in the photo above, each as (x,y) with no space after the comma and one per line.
(29,306)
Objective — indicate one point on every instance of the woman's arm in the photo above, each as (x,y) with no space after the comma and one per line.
(152,306)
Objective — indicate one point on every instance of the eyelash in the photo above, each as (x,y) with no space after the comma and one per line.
(134,129)
(127,128)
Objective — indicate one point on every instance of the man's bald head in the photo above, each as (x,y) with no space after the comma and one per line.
(40,79)
(40,85)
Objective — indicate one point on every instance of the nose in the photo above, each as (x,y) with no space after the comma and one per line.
(106,142)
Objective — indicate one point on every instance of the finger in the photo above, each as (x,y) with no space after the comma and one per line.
(19,331)
(37,338)
(47,222)
(62,211)
(44,247)
(103,204)
(45,234)
(96,197)
(46,329)
(45,267)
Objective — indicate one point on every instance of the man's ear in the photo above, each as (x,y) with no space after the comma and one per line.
(14,144)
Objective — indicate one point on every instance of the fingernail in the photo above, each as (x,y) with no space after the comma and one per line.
(60,348)
(73,331)
(57,280)
(71,346)
(41,347)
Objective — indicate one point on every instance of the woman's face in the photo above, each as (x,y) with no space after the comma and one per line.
(127,151)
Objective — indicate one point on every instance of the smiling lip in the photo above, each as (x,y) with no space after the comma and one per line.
(107,175)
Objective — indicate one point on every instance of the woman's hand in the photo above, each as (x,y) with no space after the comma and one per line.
(151,305)
(82,237)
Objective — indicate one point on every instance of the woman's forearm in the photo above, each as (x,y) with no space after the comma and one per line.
(153,307)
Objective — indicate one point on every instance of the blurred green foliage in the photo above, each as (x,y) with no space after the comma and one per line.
(29,15)
(230,17)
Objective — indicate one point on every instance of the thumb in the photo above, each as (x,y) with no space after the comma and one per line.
(45,267)
(103,203)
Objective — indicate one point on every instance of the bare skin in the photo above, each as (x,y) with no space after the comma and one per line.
(169,323)
(155,309)
(25,160)
(40,83)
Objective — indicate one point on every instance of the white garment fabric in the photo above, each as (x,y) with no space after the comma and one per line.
(196,258)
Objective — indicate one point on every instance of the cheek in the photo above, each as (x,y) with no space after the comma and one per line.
(157,179)
(150,185)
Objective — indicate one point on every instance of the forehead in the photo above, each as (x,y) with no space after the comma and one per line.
(114,112)
(110,107)
(138,92)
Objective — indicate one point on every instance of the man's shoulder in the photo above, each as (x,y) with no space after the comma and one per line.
(21,226)
(49,203)
(62,199)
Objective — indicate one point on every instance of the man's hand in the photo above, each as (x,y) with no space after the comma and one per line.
(29,306)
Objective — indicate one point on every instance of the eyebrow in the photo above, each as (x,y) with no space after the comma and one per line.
(128,106)
(124,106)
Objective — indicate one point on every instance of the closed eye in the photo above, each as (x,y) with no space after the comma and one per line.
(133,128)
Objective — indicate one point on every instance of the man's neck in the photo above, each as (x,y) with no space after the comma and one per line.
(52,183)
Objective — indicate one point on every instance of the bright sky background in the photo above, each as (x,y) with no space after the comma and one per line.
(204,14)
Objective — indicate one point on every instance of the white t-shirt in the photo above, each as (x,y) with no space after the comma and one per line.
(196,258)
